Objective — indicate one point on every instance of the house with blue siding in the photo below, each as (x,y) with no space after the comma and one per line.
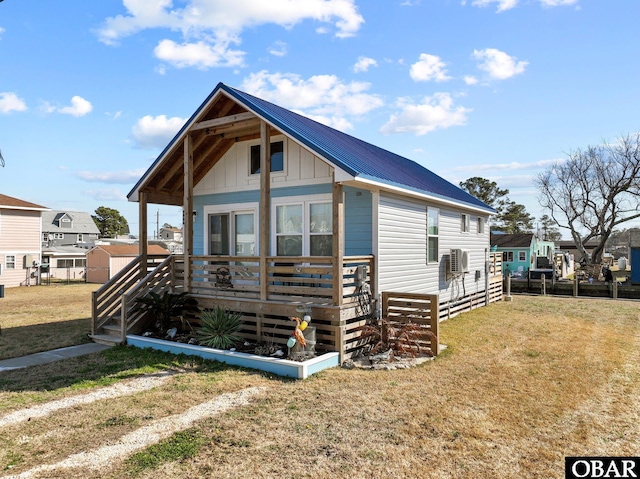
(283,214)
(522,252)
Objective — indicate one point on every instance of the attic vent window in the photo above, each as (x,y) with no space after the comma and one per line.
(66,223)
(277,157)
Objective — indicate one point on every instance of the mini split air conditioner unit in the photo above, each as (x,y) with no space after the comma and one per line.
(459,261)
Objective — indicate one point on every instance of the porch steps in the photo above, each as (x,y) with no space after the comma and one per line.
(109,334)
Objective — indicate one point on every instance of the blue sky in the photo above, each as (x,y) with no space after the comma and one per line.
(90,92)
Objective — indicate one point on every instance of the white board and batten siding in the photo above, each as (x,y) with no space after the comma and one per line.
(232,172)
(402,249)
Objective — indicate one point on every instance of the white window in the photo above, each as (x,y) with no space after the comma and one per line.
(277,157)
(508,256)
(304,227)
(480,225)
(80,238)
(464,223)
(64,263)
(58,235)
(432,235)
(231,230)
(10,261)
(522,256)
(80,262)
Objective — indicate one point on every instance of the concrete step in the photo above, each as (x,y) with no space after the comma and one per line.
(106,339)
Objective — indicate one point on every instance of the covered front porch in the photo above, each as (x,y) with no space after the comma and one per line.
(338,296)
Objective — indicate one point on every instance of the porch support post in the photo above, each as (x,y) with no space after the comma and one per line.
(265,208)
(187,211)
(143,232)
(338,241)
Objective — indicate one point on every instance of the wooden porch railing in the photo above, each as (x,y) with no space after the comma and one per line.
(290,278)
(106,301)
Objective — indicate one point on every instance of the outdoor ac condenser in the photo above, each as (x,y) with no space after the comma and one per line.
(459,261)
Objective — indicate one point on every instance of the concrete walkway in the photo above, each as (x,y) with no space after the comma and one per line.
(51,356)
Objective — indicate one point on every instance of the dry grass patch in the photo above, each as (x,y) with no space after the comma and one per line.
(521,385)
(41,318)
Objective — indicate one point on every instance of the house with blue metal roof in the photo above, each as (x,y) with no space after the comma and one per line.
(284,215)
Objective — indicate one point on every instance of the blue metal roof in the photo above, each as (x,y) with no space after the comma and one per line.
(356,157)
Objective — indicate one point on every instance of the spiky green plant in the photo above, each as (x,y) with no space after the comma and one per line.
(219,328)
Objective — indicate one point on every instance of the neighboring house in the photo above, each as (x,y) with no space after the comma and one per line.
(172,237)
(20,245)
(66,228)
(104,261)
(170,234)
(570,247)
(64,262)
(522,252)
(518,251)
(325,221)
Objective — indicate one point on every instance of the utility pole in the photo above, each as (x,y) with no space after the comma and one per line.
(158,224)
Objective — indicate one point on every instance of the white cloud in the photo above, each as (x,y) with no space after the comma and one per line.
(120,177)
(107,194)
(326,98)
(278,49)
(429,67)
(209,27)
(514,165)
(200,54)
(151,132)
(435,112)
(10,102)
(470,80)
(497,64)
(363,64)
(79,107)
(557,3)
(504,5)
(2,30)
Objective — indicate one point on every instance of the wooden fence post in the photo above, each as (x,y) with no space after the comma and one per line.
(434,317)
(508,295)
(575,286)
(615,289)
(543,284)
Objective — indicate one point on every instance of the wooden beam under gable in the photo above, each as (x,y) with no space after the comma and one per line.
(226,121)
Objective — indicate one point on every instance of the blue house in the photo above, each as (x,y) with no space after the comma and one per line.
(522,252)
(283,214)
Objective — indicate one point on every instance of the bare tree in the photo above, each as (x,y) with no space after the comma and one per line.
(594,191)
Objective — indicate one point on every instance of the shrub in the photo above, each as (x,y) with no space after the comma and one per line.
(165,306)
(218,328)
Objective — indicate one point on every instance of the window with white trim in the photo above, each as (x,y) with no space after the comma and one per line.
(507,256)
(432,235)
(464,223)
(10,261)
(480,225)
(80,238)
(231,230)
(522,256)
(277,157)
(304,228)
